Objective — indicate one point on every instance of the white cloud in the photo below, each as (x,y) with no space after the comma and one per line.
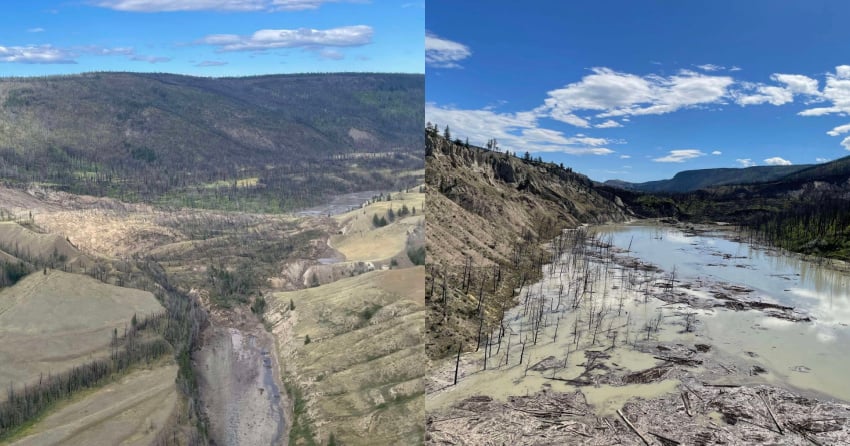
(846,143)
(35,30)
(608,124)
(735,68)
(841,129)
(106,51)
(149,59)
(517,132)
(444,53)
(32,54)
(746,162)
(797,83)
(710,67)
(211,63)
(266,39)
(614,93)
(836,91)
(792,84)
(625,157)
(210,5)
(822,160)
(679,156)
(777,161)
(48,54)
(717,152)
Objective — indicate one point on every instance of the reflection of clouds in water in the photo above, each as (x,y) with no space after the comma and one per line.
(826,337)
(775,323)
(678,237)
(828,309)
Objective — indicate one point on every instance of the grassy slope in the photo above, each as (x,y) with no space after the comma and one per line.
(48,323)
(361,241)
(362,372)
(26,244)
(131,411)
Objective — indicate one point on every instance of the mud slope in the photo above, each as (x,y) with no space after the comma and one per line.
(237,378)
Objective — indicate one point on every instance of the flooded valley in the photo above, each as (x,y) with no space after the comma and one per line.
(650,314)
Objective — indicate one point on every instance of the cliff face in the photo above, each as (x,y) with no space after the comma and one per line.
(487,214)
(480,201)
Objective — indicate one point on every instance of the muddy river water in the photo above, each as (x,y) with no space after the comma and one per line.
(599,302)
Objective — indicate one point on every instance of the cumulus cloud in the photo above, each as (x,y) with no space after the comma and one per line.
(777,161)
(846,143)
(211,63)
(791,84)
(836,91)
(210,5)
(745,162)
(36,54)
(679,156)
(608,124)
(841,129)
(266,39)
(717,152)
(612,93)
(444,53)
(517,132)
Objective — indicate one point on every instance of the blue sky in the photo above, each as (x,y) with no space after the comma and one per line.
(639,90)
(211,37)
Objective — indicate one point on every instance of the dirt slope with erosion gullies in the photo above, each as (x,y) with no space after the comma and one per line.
(350,341)
(487,209)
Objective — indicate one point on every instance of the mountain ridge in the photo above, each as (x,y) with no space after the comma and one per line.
(160,137)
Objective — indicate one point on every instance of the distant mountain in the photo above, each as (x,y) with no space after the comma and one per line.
(691,180)
(187,140)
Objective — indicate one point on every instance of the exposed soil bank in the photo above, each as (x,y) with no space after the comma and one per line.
(237,374)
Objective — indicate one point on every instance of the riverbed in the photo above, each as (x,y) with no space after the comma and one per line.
(339,204)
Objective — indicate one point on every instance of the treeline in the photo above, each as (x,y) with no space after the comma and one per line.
(391,215)
(12,272)
(268,186)
(819,228)
(24,404)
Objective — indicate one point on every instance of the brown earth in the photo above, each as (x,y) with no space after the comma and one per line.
(495,210)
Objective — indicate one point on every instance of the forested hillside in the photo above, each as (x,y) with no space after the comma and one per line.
(265,143)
